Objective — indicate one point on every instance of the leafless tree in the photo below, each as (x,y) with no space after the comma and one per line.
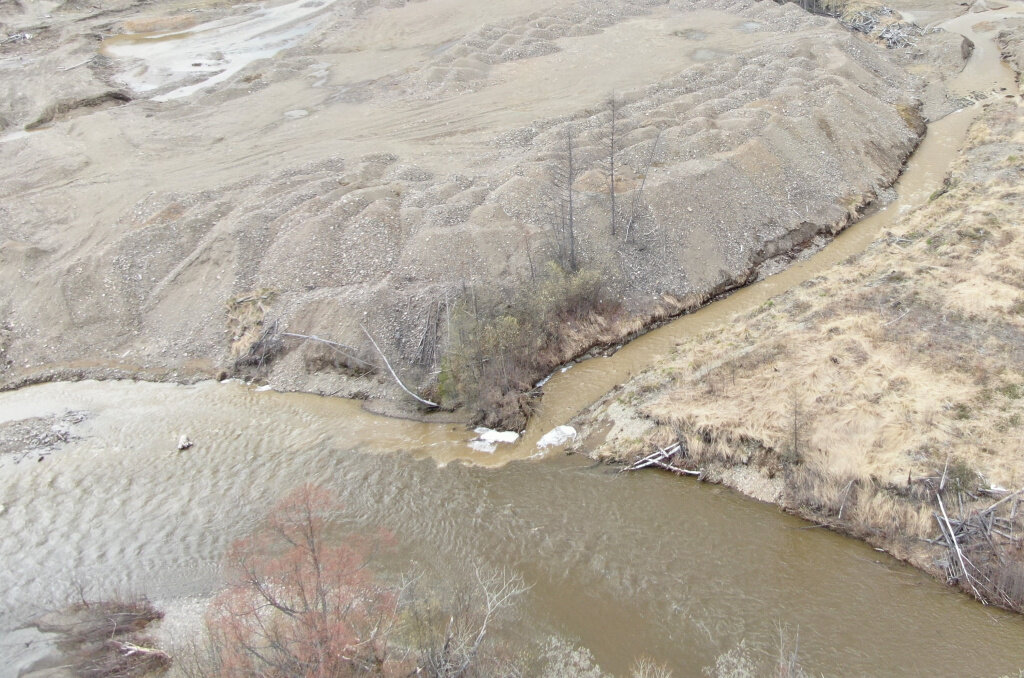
(613,107)
(564,173)
(638,194)
(455,636)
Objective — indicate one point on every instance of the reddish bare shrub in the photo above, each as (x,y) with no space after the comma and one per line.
(299,606)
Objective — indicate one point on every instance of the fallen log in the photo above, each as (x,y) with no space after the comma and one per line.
(677,470)
(959,553)
(387,364)
(659,455)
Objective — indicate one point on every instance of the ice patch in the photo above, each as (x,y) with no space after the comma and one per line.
(213,51)
(296,114)
(487,439)
(559,435)
(265,387)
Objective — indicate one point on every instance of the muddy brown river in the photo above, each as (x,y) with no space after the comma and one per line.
(639,565)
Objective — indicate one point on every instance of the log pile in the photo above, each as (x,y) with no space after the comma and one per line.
(989,534)
(882,25)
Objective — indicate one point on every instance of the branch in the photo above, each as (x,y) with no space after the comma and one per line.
(392,371)
(333,344)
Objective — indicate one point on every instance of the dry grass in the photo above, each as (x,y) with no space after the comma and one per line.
(253,341)
(849,390)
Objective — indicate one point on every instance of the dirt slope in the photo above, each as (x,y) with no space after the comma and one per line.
(395,155)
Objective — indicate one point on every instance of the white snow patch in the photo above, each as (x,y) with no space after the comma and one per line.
(559,435)
(212,52)
(487,439)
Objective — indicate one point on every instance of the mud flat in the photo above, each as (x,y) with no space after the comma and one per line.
(209,171)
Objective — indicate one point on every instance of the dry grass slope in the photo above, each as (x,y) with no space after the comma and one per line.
(847,399)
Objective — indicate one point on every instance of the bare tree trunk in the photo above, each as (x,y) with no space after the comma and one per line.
(638,196)
(571,167)
(614,106)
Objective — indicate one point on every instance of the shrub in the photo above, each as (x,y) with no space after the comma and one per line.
(500,343)
(299,606)
(302,605)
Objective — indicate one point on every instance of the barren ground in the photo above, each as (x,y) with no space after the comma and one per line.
(395,156)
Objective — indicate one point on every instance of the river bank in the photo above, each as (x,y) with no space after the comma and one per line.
(858,397)
(392,164)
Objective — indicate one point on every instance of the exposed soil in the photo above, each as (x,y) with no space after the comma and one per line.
(395,155)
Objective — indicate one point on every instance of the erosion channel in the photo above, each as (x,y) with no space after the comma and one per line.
(623,565)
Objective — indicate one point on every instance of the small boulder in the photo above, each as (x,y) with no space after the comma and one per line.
(184,443)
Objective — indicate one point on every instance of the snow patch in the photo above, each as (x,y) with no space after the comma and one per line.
(487,439)
(559,435)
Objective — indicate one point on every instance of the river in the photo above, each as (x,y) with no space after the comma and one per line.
(639,565)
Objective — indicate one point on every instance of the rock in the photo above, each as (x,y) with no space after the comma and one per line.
(184,443)
(966,48)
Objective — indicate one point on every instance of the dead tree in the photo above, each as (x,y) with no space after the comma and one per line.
(638,194)
(564,173)
(613,106)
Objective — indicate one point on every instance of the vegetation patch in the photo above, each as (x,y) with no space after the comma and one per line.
(501,346)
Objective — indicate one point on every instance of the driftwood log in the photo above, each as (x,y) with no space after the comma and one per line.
(661,459)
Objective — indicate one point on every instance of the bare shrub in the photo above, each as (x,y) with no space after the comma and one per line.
(105,640)
(645,667)
(299,606)
(450,637)
(787,663)
(737,662)
(744,661)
